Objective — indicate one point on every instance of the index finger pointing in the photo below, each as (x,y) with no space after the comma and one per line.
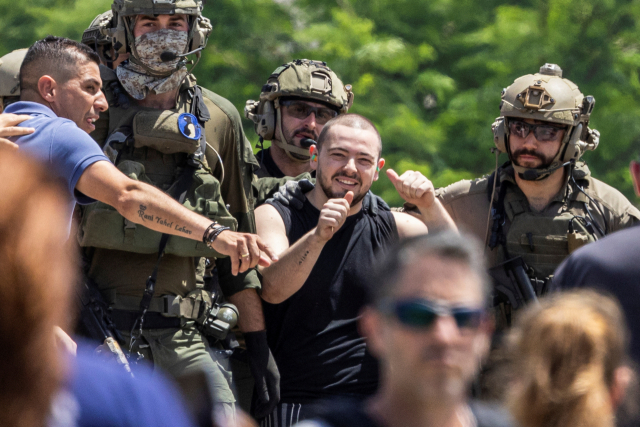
(267,250)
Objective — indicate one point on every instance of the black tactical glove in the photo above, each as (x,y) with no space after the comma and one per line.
(292,193)
(266,392)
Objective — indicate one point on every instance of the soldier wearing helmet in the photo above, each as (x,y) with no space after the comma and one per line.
(164,129)
(543,203)
(10,77)
(10,93)
(98,38)
(295,103)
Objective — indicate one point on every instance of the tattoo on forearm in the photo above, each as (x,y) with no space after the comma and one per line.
(303,258)
(162,221)
(143,216)
(183,229)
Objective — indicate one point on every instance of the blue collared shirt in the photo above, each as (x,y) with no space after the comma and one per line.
(65,149)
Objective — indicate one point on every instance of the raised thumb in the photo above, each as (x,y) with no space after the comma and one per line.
(393,176)
(349,197)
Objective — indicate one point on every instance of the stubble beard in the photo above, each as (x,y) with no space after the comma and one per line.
(328,190)
(546,162)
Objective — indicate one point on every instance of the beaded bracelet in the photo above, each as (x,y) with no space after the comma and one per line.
(212,232)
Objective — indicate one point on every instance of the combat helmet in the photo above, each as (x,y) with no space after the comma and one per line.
(301,78)
(97,36)
(120,28)
(548,97)
(10,77)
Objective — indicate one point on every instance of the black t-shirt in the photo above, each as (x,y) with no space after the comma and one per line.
(351,413)
(313,335)
(612,265)
(268,168)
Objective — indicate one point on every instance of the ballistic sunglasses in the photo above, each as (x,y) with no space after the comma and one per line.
(543,133)
(301,110)
(422,313)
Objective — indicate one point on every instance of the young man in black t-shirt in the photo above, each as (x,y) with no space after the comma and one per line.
(313,296)
(427,324)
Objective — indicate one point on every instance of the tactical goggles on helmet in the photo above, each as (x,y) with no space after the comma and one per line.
(301,110)
(421,313)
(543,133)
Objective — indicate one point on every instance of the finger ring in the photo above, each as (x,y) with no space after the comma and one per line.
(244,255)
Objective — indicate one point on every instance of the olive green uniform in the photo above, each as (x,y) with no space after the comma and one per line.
(540,238)
(120,269)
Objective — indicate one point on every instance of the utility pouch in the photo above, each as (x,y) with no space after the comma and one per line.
(194,306)
(214,320)
(158,129)
(103,227)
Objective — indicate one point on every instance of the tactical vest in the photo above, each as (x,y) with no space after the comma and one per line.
(542,241)
(147,145)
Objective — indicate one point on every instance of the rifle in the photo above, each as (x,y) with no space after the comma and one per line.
(511,280)
(97,323)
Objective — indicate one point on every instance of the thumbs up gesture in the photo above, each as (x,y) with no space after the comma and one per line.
(332,215)
(413,187)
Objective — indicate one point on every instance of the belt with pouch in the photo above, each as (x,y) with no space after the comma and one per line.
(165,312)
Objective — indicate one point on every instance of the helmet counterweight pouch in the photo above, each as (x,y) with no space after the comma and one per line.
(103,227)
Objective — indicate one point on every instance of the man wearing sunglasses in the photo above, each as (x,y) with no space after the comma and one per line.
(295,103)
(534,210)
(428,325)
(328,247)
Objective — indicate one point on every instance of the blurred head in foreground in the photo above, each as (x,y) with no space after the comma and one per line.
(427,321)
(35,278)
(570,362)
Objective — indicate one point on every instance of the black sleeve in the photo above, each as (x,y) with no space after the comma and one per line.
(284,212)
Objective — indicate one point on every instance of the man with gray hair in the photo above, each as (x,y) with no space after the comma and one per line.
(327,247)
(427,323)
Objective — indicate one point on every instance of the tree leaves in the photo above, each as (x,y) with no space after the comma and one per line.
(428,73)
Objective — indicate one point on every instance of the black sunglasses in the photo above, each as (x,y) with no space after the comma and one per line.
(302,110)
(421,313)
(543,133)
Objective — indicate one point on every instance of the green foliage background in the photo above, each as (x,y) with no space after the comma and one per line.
(427,72)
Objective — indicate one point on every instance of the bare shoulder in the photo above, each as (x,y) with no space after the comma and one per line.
(269,221)
(271,229)
(408,225)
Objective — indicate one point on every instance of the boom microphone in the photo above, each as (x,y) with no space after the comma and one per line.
(168,56)
(307,142)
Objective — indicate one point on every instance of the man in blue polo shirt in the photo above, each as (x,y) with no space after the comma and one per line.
(60,88)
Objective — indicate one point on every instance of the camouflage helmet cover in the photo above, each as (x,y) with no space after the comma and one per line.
(156,7)
(96,33)
(10,73)
(310,80)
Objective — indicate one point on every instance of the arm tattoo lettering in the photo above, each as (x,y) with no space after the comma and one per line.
(183,229)
(143,215)
(162,221)
(303,258)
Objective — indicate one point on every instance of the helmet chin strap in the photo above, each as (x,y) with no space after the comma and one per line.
(289,148)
